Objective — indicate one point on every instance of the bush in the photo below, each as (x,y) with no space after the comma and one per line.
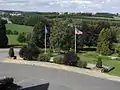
(29,52)
(118,53)
(70,58)
(99,63)
(58,59)
(28,37)
(14,57)
(9,32)
(82,64)
(21,38)
(43,57)
(50,52)
(22,52)
(15,32)
(11,52)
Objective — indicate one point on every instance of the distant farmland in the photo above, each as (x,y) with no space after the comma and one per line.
(20,29)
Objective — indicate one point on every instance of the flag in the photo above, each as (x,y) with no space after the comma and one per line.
(46,31)
(78,31)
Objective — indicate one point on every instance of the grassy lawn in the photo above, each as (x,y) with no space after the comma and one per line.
(91,57)
(19,28)
(13,40)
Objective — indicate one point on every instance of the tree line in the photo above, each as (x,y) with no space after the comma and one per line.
(61,34)
(32,19)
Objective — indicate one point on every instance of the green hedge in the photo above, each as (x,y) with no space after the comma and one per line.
(58,59)
(82,64)
(43,57)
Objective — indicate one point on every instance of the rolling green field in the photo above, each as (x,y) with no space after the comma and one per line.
(12,40)
(20,29)
(91,57)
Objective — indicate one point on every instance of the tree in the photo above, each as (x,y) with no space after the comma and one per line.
(33,20)
(11,52)
(105,42)
(17,20)
(99,63)
(91,31)
(3,37)
(62,36)
(21,38)
(28,36)
(38,34)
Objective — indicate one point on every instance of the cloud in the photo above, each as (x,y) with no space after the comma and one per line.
(62,5)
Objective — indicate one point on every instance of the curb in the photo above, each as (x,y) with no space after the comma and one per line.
(66,68)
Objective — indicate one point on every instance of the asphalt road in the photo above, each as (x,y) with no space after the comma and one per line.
(58,79)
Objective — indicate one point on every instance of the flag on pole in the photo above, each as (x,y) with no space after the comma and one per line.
(46,31)
(78,31)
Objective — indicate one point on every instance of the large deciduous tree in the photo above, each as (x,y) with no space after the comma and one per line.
(62,36)
(38,35)
(105,42)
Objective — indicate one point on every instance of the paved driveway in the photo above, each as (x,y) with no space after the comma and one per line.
(59,79)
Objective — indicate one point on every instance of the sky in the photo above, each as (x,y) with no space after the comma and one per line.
(111,6)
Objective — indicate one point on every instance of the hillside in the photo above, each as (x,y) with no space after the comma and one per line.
(19,28)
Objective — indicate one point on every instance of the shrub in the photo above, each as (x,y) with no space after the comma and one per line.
(29,52)
(22,52)
(14,57)
(118,53)
(99,63)
(28,37)
(21,38)
(11,52)
(15,32)
(70,58)
(9,32)
(82,64)
(50,52)
(43,57)
(58,59)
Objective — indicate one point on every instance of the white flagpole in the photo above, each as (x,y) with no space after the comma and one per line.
(45,39)
(75,40)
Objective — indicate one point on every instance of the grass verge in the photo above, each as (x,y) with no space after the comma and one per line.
(91,57)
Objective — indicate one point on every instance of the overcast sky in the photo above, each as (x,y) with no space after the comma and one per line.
(111,6)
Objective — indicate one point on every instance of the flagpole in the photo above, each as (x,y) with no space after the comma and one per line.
(75,40)
(45,39)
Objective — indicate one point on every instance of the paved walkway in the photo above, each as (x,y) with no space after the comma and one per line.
(67,68)
(62,78)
